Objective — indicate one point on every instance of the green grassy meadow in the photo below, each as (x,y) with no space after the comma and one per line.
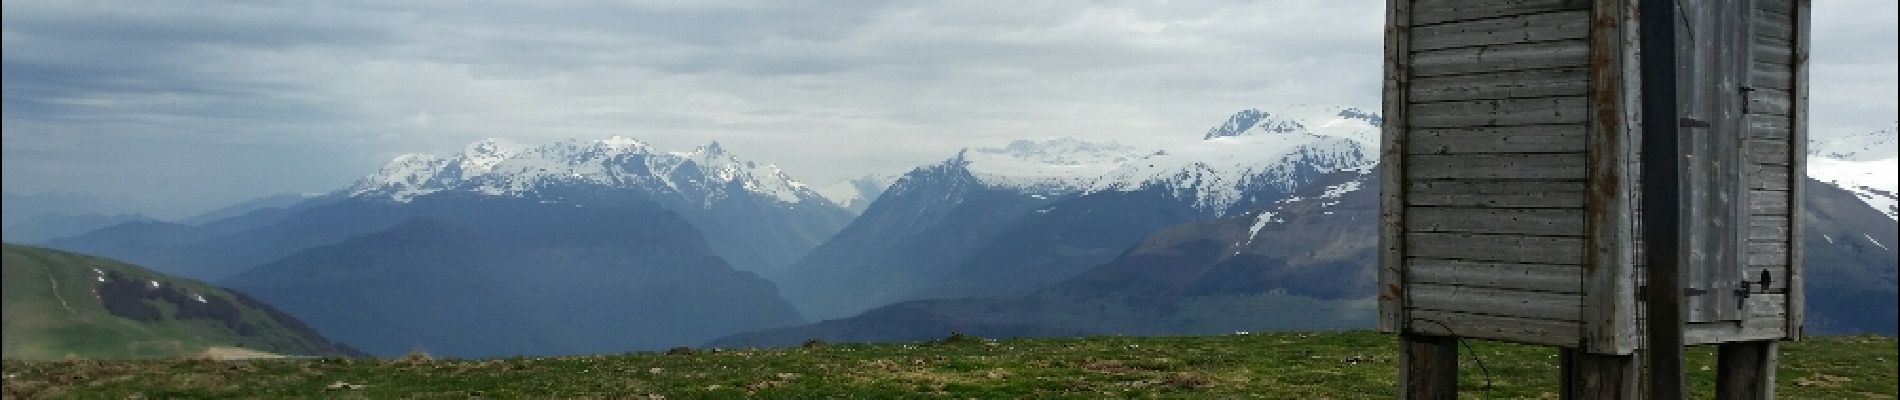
(54,310)
(1270,365)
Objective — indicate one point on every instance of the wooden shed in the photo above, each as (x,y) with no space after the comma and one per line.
(1513,149)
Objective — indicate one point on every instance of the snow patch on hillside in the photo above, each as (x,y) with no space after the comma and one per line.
(1871,146)
(1050,166)
(1875,182)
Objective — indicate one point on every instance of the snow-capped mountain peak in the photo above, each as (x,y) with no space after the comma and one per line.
(1253,151)
(402,179)
(1254,122)
(499,167)
(1350,123)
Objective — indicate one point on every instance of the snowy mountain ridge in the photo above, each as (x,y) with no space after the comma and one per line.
(1217,173)
(1876,145)
(498,167)
(1252,150)
(1051,166)
(1332,121)
(1863,164)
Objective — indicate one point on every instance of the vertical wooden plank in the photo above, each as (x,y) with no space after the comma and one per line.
(1692,63)
(1797,186)
(1662,251)
(1745,370)
(1588,376)
(1392,158)
(1609,315)
(1430,365)
(1734,22)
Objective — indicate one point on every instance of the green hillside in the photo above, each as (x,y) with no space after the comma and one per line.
(60,304)
(1349,365)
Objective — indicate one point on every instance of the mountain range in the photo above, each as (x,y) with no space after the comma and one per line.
(1850,222)
(754,215)
(1302,262)
(1009,220)
(651,231)
(1264,221)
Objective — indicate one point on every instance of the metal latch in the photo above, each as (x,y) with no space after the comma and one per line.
(1742,292)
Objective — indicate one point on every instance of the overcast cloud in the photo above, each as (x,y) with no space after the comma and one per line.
(188,105)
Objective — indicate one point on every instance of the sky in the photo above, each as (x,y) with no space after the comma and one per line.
(184,106)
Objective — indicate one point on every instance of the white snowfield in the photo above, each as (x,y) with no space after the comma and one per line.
(1870,146)
(1053,166)
(1867,165)
(502,168)
(1875,182)
(1253,149)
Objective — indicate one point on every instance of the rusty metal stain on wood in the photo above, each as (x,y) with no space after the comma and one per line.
(1607,277)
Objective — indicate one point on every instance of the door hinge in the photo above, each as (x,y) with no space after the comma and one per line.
(1748,93)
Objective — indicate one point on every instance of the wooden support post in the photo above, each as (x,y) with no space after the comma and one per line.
(1745,370)
(1598,376)
(1663,239)
(1428,367)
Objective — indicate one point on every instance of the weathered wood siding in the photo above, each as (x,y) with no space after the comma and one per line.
(1509,209)
(1774,150)
(1774,171)
(1489,130)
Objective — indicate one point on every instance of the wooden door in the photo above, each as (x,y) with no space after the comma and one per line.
(1713,54)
